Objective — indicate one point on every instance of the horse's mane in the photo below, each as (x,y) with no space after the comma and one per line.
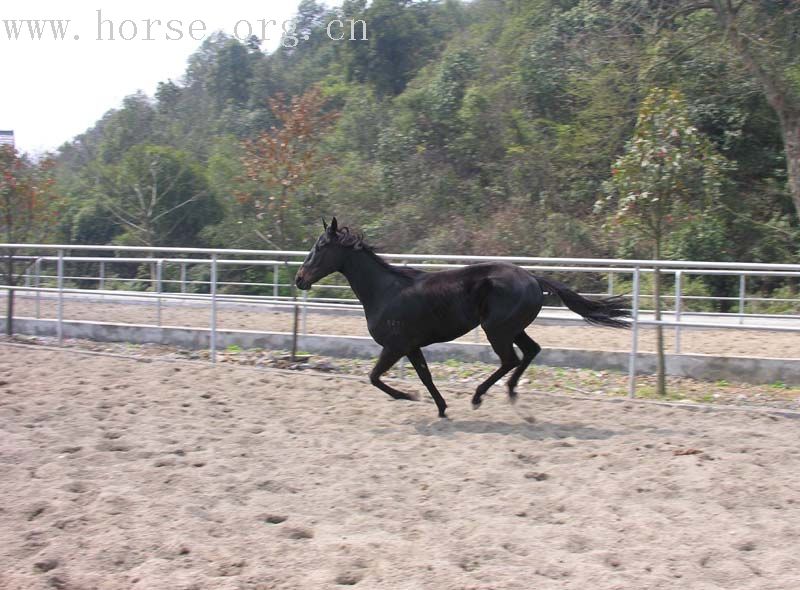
(356,241)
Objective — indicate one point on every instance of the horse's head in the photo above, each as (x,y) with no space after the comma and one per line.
(326,257)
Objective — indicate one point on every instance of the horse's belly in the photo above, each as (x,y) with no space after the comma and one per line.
(448,335)
(456,326)
(409,335)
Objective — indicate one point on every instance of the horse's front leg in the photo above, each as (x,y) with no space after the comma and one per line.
(418,360)
(385,362)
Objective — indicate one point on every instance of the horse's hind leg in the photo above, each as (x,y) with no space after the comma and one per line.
(418,360)
(385,362)
(504,348)
(529,350)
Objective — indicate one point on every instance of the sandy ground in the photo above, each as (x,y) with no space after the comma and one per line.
(747,343)
(118,474)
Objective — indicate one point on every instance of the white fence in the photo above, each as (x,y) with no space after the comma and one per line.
(198,274)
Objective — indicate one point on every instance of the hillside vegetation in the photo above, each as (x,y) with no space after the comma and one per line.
(485,127)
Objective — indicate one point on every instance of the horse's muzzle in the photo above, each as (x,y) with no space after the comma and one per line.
(301,282)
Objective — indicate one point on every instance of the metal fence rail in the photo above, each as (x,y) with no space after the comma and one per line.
(198,274)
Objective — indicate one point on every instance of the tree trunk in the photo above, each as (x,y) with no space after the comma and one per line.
(777,90)
(661,382)
(791,143)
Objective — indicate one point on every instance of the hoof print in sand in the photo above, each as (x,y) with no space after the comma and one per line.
(113,446)
(36,510)
(746,546)
(230,568)
(75,487)
(298,533)
(45,565)
(537,476)
(350,578)
(276,487)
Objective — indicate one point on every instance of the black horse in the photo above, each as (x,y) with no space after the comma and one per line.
(408,309)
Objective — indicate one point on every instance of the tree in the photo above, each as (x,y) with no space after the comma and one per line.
(457,116)
(28,209)
(133,124)
(230,72)
(668,172)
(401,36)
(159,197)
(282,161)
(762,34)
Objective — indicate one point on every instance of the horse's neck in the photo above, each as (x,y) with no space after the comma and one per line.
(369,279)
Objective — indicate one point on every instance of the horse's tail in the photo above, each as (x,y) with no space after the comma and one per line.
(602,312)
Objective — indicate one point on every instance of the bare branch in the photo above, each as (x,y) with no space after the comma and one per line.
(186,202)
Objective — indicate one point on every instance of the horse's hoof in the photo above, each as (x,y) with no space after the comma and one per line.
(476,404)
(512,397)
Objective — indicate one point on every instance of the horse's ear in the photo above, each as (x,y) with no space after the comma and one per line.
(324,224)
(334,228)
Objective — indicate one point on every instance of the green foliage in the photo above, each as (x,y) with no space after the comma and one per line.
(785,299)
(131,125)
(159,196)
(402,37)
(669,169)
(91,224)
(695,293)
(486,127)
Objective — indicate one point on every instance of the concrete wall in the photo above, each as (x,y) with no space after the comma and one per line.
(747,370)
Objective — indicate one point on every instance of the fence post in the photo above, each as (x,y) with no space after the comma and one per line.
(102,275)
(678,276)
(402,367)
(275,276)
(213,340)
(610,284)
(634,335)
(159,276)
(305,313)
(401,370)
(60,284)
(476,336)
(294,314)
(37,268)
(183,277)
(741,298)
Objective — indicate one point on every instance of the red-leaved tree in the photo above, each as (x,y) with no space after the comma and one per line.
(280,162)
(28,210)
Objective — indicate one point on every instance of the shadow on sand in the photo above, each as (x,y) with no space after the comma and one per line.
(529,429)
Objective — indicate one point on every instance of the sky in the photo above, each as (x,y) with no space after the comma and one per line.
(53,90)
